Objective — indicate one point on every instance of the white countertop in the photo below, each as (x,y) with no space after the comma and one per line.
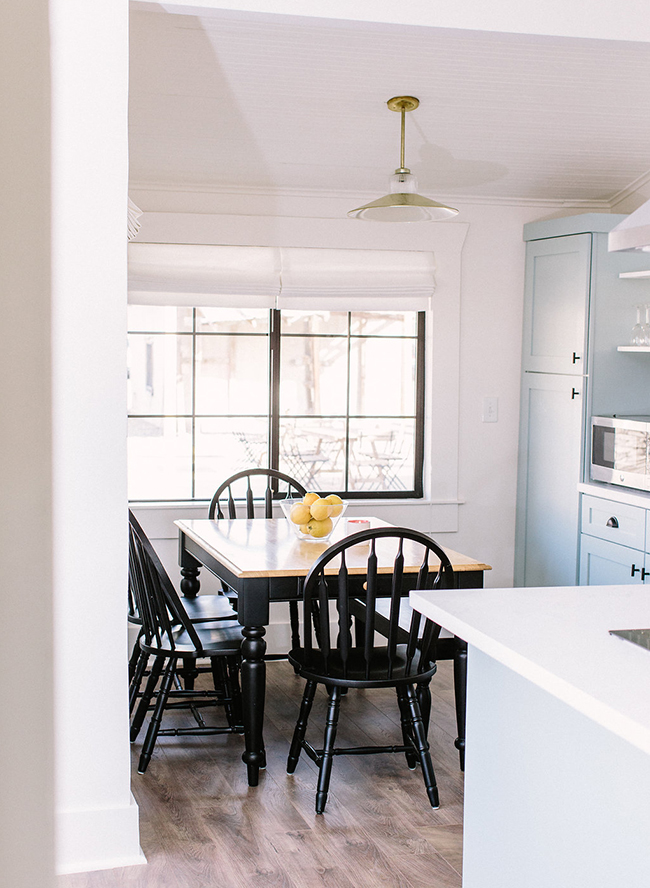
(557,638)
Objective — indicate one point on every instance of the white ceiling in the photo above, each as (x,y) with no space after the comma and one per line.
(237,100)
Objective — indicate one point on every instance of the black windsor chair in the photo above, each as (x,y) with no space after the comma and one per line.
(201,609)
(241,488)
(169,636)
(342,664)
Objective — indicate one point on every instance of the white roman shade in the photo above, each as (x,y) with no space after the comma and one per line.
(282,277)
(347,279)
(203,274)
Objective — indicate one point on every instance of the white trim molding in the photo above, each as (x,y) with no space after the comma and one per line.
(444,239)
(98,838)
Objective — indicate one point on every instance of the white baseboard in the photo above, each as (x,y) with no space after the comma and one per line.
(98,838)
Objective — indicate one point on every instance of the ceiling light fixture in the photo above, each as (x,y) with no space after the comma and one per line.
(403,204)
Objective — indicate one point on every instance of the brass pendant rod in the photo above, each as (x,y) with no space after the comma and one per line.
(401,152)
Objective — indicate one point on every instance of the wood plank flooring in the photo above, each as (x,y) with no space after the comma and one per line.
(202,825)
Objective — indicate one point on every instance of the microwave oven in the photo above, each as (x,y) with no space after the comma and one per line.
(620,450)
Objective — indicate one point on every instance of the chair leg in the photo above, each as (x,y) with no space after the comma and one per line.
(136,679)
(147,695)
(221,681)
(301,726)
(325,769)
(295,624)
(189,673)
(411,757)
(235,686)
(422,747)
(156,718)
(135,655)
(423,693)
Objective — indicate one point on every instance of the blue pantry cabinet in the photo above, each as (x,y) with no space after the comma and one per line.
(576,312)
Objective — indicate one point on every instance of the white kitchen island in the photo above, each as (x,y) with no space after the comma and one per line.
(557,774)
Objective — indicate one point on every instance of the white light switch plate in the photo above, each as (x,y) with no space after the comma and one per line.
(490,409)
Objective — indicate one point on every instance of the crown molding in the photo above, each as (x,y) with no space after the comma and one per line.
(348,195)
(630,189)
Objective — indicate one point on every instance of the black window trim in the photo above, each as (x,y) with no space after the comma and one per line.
(275,338)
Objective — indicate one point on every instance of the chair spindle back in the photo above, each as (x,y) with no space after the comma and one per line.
(323,584)
(155,598)
(278,486)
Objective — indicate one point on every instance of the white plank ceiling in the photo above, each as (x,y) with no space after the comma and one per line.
(229,100)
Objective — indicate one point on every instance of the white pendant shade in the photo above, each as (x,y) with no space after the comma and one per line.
(403,208)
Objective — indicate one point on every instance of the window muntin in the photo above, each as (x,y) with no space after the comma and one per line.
(335,398)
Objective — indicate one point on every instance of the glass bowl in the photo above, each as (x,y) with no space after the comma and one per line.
(317,529)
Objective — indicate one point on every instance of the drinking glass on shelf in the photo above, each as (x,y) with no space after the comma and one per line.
(646,326)
(638,332)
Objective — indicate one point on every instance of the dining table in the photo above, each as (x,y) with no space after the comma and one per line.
(263,561)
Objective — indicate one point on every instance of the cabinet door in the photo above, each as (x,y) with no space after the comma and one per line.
(603,563)
(556,299)
(550,458)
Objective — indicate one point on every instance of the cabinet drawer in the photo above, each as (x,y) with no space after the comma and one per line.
(616,522)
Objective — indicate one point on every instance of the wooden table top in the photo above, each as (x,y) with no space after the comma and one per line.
(268,547)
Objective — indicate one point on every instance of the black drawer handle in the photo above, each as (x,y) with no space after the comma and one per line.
(635,570)
(644,573)
(613,522)
(575,357)
(574,393)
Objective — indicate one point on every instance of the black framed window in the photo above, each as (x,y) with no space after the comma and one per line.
(335,399)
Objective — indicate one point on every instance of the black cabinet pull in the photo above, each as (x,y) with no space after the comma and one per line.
(644,573)
(576,357)
(613,522)
(635,570)
(574,393)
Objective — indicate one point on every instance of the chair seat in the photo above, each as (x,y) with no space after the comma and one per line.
(223,639)
(311,665)
(206,608)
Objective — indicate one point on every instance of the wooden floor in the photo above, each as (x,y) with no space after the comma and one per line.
(201,825)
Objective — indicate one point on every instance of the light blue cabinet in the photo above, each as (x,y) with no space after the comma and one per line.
(570,280)
(614,541)
(603,563)
(577,310)
(549,468)
(556,303)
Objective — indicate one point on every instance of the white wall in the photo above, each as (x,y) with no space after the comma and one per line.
(26,689)
(97,822)
(63,156)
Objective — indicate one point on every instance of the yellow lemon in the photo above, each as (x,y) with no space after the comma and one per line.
(319,529)
(300,513)
(304,528)
(310,498)
(336,504)
(320,509)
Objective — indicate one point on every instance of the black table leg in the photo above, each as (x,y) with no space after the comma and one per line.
(190,568)
(460,692)
(253,680)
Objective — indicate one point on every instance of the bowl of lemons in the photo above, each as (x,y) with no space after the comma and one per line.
(314,517)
